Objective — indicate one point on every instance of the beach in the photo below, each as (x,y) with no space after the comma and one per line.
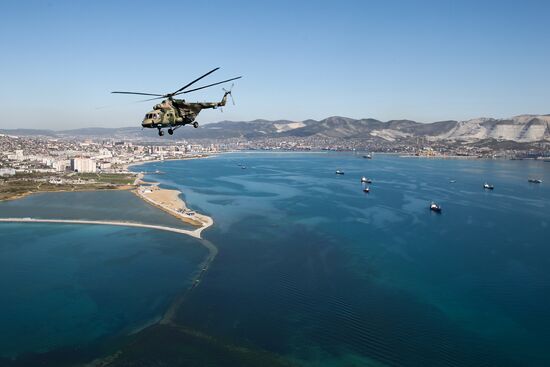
(170,202)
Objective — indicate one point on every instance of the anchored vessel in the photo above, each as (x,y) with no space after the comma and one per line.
(535,180)
(435,207)
(487,186)
(365,180)
(338,172)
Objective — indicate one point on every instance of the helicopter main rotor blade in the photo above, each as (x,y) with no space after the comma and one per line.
(194,81)
(209,85)
(152,99)
(141,94)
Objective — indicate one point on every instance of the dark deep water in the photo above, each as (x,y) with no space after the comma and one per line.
(312,268)
(309,268)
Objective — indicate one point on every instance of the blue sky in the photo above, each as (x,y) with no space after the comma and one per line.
(422,60)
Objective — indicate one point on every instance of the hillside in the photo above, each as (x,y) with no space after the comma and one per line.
(523,128)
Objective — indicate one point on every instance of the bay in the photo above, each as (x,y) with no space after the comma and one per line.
(313,269)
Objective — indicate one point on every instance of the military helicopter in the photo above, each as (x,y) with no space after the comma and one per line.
(173,113)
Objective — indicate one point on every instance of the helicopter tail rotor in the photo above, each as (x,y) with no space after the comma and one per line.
(229,92)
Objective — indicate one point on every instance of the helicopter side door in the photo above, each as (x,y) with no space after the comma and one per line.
(169,119)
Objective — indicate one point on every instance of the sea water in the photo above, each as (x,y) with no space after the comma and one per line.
(314,269)
(66,287)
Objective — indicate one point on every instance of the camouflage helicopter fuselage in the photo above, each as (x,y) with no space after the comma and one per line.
(177,112)
(173,113)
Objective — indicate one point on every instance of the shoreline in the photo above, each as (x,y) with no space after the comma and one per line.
(169,200)
(194,233)
(137,163)
(452,157)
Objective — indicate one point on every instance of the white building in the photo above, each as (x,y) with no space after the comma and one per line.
(60,165)
(104,153)
(105,165)
(83,165)
(7,172)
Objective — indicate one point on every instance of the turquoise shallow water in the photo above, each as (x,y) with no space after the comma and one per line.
(312,268)
(70,286)
(93,205)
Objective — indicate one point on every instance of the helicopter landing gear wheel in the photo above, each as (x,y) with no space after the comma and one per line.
(195,124)
(161,133)
(170,131)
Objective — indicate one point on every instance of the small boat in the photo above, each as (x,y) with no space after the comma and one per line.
(535,180)
(366,189)
(452,181)
(368,156)
(435,207)
(338,172)
(366,180)
(243,167)
(487,186)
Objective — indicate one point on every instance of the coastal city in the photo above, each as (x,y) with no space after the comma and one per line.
(30,164)
(30,154)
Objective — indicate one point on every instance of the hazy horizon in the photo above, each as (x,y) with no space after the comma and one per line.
(272,120)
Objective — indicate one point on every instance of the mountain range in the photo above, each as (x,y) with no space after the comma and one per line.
(523,129)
